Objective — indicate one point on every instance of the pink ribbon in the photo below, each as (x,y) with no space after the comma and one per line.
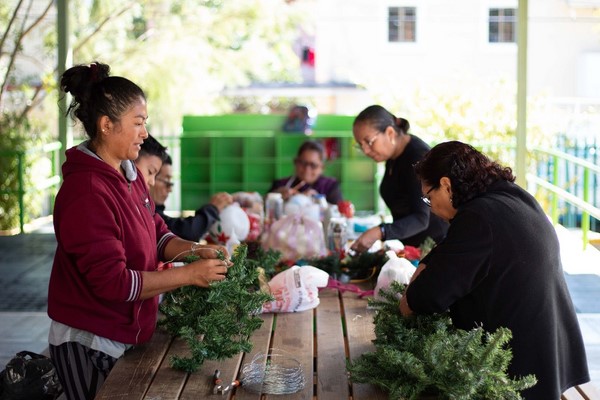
(347,287)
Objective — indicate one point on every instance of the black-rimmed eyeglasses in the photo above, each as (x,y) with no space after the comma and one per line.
(306,164)
(167,183)
(426,198)
(369,142)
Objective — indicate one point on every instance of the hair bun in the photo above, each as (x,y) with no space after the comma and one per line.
(403,124)
(98,71)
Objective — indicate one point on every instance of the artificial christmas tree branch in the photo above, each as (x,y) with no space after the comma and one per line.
(425,355)
(216,322)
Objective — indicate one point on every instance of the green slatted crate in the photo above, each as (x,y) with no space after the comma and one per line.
(246,152)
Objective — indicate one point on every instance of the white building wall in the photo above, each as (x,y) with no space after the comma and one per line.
(452,45)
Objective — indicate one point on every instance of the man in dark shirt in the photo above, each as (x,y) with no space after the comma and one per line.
(193,227)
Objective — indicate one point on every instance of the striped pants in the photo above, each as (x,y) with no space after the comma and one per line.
(81,370)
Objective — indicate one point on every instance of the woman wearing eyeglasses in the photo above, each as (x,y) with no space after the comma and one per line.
(308,178)
(385,138)
(499,266)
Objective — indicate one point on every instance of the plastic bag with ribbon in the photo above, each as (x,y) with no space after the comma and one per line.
(296,237)
(395,269)
(296,289)
(29,376)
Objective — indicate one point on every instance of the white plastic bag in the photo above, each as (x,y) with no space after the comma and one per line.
(233,221)
(395,269)
(296,289)
(296,237)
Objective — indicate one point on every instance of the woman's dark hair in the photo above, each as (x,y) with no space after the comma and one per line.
(95,94)
(312,145)
(152,147)
(470,172)
(380,118)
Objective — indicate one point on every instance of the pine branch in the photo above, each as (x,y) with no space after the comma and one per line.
(216,322)
(362,266)
(426,355)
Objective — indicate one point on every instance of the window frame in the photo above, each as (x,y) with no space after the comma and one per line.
(404,24)
(506,25)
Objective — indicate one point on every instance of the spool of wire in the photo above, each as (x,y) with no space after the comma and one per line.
(273,373)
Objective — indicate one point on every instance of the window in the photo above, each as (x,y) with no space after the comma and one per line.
(503,25)
(402,24)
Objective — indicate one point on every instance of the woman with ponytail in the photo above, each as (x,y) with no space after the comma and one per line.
(104,284)
(385,138)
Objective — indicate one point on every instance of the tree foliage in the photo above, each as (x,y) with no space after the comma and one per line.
(20,128)
(183,53)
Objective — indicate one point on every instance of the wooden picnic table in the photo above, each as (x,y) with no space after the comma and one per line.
(322,339)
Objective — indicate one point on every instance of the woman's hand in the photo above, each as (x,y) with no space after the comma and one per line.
(366,240)
(287,192)
(203,272)
(211,251)
(198,273)
(221,200)
(405,310)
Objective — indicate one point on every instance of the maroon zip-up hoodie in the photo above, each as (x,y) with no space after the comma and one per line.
(107,232)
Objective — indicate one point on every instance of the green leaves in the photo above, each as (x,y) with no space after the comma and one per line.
(425,355)
(216,322)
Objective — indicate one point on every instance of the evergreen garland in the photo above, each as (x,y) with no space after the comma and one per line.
(216,322)
(425,355)
(258,257)
(365,265)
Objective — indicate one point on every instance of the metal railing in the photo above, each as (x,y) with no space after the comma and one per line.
(556,185)
(52,180)
(552,182)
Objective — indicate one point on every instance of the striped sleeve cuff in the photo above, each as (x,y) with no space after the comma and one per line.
(162,243)
(136,285)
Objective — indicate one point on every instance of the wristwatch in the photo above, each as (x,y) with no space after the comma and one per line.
(382,229)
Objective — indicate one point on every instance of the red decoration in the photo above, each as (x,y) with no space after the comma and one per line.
(346,208)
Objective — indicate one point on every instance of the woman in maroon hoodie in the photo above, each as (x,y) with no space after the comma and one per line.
(104,285)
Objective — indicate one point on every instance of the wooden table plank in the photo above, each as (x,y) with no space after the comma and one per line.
(132,375)
(200,384)
(294,335)
(360,333)
(332,383)
(261,340)
(169,382)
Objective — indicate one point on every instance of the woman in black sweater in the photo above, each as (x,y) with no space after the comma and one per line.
(383,137)
(499,266)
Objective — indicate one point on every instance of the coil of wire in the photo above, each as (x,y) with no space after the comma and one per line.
(273,373)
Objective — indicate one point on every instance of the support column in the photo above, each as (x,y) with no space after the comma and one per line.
(65,57)
(521,154)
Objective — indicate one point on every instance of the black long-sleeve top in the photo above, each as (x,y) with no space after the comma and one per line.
(191,228)
(500,266)
(400,189)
